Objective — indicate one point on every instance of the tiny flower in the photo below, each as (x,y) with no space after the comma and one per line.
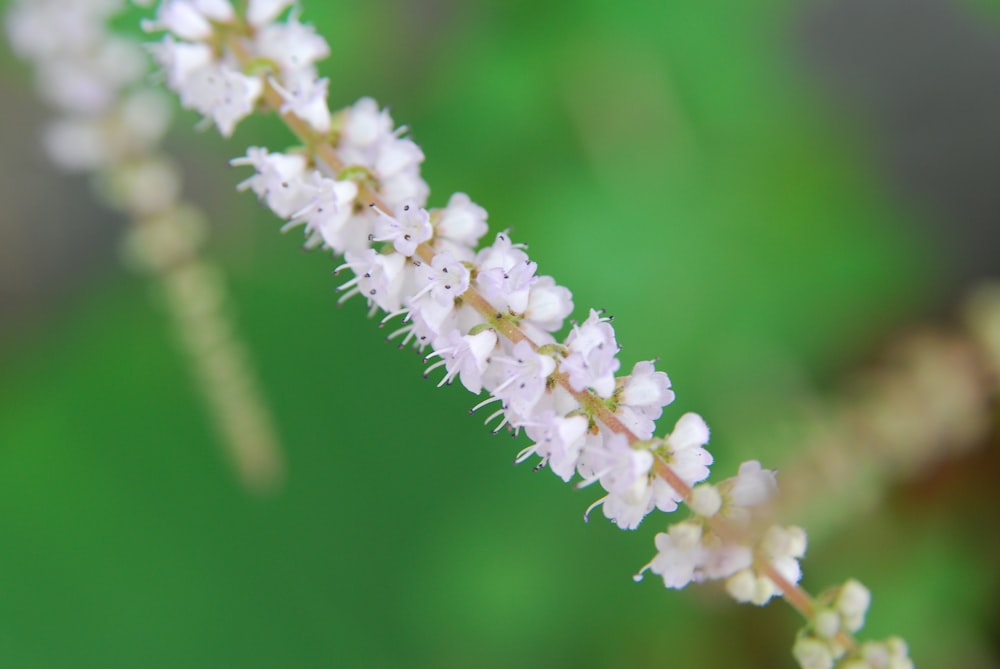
(180,60)
(548,304)
(328,211)
(444,279)
(685,454)
(852,603)
(626,510)
(260,12)
(182,18)
(705,500)
(280,180)
(292,45)
(680,553)
(378,276)
(752,486)
(409,228)
(826,624)
(643,396)
(305,96)
(558,441)
(522,376)
(592,361)
(222,94)
(812,653)
(462,221)
(465,356)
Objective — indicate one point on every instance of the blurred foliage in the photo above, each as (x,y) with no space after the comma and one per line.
(673,163)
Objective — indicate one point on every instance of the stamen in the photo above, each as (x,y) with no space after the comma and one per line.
(479,406)
(433,367)
(586,514)
(638,576)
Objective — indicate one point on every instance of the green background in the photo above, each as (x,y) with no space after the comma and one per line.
(678,165)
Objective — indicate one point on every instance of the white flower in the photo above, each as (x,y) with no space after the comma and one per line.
(592,361)
(548,304)
(705,500)
(444,280)
(462,221)
(465,356)
(180,60)
(679,554)
(408,229)
(812,653)
(686,456)
(306,97)
(328,211)
(280,179)
(365,127)
(260,12)
(781,547)
(558,441)
(889,654)
(221,93)
(521,378)
(852,603)
(623,465)
(626,510)
(292,45)
(643,395)
(190,19)
(752,486)
(378,276)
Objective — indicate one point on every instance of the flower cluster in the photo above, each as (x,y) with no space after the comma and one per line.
(111,124)
(484,315)
(838,611)
(217,87)
(89,75)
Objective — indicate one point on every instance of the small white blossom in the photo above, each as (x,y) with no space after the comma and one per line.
(306,97)
(329,209)
(643,395)
(465,356)
(280,179)
(261,12)
(705,500)
(292,45)
(180,60)
(558,441)
(221,93)
(521,379)
(679,554)
(548,304)
(812,653)
(378,276)
(751,487)
(407,230)
(852,603)
(592,361)
(462,221)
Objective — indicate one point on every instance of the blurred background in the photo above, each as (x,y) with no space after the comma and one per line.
(774,197)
